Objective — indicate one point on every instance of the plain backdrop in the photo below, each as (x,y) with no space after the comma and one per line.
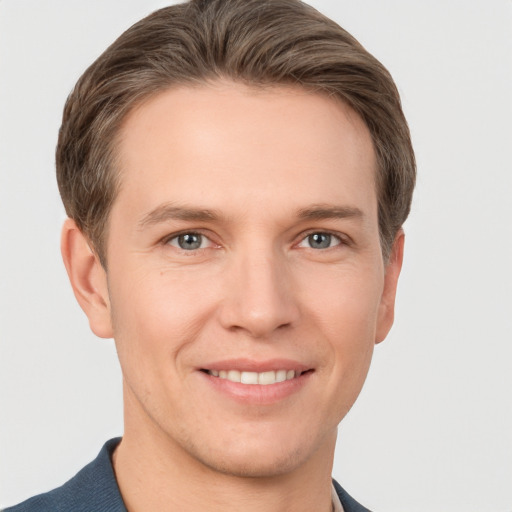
(432,429)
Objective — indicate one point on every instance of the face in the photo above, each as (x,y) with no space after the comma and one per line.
(246,286)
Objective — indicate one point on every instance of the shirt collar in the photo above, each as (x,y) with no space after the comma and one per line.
(336,503)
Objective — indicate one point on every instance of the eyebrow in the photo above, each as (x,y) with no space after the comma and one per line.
(323,212)
(166,212)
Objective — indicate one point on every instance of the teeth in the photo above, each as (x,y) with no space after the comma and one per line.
(263,378)
(280,375)
(248,378)
(233,376)
(267,378)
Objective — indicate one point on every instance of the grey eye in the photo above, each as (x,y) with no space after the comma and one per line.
(319,240)
(188,241)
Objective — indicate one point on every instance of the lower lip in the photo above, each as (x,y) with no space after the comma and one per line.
(257,394)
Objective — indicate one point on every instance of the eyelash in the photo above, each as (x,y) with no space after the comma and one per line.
(167,240)
(341,240)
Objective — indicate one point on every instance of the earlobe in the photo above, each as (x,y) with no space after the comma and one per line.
(387,302)
(88,279)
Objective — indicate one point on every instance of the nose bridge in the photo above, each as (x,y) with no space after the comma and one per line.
(259,293)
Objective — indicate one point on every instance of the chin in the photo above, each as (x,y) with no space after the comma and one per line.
(250,465)
(260,456)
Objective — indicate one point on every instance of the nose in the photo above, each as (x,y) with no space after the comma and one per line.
(258,297)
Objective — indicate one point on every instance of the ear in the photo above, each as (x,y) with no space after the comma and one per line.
(88,279)
(387,301)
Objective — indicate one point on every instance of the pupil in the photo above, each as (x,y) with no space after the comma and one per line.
(189,241)
(320,240)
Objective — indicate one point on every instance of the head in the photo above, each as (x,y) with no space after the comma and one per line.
(283,42)
(237,173)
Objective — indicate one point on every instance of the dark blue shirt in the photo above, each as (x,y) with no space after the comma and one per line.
(94,489)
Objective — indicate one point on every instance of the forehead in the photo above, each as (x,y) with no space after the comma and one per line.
(227,140)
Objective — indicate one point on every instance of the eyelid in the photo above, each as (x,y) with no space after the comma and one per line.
(172,236)
(342,238)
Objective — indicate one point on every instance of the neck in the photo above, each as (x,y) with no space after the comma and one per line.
(154,473)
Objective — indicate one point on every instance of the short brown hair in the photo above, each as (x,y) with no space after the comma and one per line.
(257,42)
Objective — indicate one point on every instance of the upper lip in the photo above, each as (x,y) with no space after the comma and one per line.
(250,365)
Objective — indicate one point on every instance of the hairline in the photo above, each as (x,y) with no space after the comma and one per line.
(114,158)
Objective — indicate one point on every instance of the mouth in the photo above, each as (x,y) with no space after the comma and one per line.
(259,383)
(264,378)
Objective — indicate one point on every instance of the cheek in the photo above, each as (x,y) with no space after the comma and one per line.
(155,316)
(344,308)
(344,301)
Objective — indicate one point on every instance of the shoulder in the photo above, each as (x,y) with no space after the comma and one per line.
(349,503)
(92,488)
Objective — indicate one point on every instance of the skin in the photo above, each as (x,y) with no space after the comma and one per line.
(272,167)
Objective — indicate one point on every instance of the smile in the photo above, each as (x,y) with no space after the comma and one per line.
(256,383)
(261,378)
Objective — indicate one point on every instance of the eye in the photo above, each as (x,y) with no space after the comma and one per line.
(189,241)
(320,240)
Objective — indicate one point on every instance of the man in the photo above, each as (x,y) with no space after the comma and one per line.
(236,174)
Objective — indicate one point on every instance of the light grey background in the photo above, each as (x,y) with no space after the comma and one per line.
(432,430)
